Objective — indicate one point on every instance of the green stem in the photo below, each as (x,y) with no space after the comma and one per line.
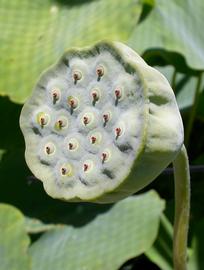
(182,209)
(193,110)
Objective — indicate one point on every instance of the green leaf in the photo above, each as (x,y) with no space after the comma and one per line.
(34,225)
(186,91)
(35,33)
(148,2)
(196,260)
(13,240)
(105,243)
(2,152)
(173,26)
(185,87)
(161,252)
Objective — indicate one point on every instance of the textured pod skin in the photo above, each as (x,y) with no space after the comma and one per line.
(151,129)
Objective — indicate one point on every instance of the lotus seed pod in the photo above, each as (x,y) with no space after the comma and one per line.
(100,125)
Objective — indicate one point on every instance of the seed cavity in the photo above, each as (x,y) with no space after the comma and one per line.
(95,138)
(73,102)
(49,148)
(77,75)
(106,118)
(55,95)
(95,94)
(87,166)
(61,123)
(70,146)
(105,156)
(118,132)
(73,144)
(87,118)
(118,95)
(43,119)
(99,72)
(66,170)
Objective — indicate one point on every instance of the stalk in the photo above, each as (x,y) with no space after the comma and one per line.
(182,209)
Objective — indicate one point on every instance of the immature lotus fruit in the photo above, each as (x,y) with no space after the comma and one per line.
(100,125)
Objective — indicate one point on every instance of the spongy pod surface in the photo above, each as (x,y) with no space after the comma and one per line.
(100,125)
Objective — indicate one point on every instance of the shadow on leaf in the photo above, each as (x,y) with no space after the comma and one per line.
(72,2)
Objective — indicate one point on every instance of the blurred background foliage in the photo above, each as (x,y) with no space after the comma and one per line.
(37,232)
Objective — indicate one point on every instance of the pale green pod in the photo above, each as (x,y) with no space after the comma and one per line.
(122,124)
